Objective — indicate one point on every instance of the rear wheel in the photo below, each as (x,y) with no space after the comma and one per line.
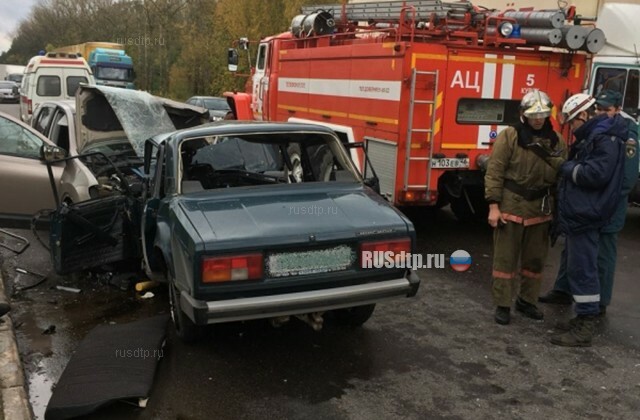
(186,329)
(354,317)
(471,205)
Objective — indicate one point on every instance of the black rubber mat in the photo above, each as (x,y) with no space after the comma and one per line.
(113,362)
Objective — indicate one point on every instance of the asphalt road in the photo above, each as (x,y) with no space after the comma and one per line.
(439,355)
(11,109)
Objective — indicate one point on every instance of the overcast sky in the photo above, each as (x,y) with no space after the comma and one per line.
(11,13)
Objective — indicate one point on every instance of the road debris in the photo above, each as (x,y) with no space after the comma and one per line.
(51,329)
(17,250)
(41,279)
(68,289)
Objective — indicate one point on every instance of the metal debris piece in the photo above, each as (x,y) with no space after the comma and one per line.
(19,250)
(41,279)
(68,289)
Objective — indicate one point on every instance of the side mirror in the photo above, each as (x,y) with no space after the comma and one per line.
(232,59)
(50,153)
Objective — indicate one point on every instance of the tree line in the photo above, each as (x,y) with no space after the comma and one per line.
(178,47)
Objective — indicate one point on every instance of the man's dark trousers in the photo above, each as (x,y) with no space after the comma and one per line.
(607,253)
(582,254)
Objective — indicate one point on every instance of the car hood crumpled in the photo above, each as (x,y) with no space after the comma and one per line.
(108,113)
(261,219)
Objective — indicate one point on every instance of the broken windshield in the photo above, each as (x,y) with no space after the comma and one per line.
(141,115)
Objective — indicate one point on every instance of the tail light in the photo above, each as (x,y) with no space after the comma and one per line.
(232,268)
(391,247)
(418,196)
(29,106)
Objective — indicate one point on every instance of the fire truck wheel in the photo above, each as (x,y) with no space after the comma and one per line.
(471,205)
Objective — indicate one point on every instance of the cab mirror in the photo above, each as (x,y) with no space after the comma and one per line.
(232,59)
(50,153)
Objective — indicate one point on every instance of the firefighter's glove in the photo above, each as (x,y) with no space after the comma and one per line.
(539,150)
(556,161)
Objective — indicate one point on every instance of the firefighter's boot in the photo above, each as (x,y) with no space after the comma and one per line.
(580,333)
(529,310)
(565,326)
(503,315)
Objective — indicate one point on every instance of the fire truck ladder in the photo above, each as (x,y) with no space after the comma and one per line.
(429,131)
(391,10)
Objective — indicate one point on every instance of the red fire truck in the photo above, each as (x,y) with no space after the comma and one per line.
(427,85)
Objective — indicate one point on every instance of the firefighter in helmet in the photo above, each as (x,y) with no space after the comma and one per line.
(519,187)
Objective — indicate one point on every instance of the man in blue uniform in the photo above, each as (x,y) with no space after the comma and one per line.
(588,197)
(608,102)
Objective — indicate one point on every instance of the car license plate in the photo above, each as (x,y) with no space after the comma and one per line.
(284,264)
(449,163)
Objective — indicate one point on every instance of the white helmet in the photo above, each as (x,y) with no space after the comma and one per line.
(575,105)
(536,104)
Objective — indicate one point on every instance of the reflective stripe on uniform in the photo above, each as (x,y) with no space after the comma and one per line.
(526,222)
(531,274)
(538,220)
(502,275)
(574,174)
(586,298)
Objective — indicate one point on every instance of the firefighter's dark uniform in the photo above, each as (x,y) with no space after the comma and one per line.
(522,183)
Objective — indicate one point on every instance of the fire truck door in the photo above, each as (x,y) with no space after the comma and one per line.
(260,83)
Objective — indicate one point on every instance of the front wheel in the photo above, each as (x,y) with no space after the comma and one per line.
(354,317)
(186,329)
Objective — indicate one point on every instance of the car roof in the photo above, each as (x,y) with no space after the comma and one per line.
(67,104)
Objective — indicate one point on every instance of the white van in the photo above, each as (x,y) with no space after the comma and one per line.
(55,76)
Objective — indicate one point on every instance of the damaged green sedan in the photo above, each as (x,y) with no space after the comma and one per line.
(249,220)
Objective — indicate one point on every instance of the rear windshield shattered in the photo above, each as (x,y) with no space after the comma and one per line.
(246,160)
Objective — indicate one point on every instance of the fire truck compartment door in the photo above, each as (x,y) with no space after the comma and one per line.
(482,93)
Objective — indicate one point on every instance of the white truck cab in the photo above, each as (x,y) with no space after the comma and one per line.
(54,76)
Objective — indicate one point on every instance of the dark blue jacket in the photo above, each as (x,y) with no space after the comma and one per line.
(630,177)
(591,182)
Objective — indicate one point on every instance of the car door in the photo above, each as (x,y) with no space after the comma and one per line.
(59,131)
(25,187)
(42,118)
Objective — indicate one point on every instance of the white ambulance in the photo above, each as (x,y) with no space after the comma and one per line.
(50,77)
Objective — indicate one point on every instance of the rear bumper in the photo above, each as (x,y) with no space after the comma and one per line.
(203,312)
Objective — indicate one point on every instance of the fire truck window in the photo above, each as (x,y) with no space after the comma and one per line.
(262,57)
(610,78)
(487,111)
(631,96)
